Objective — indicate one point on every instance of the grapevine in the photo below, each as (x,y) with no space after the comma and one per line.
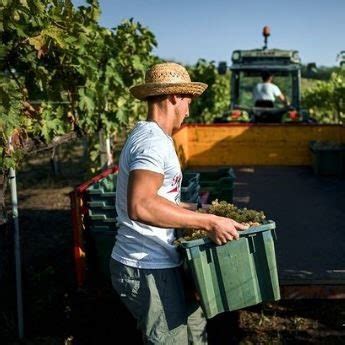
(216,99)
(326,99)
(64,72)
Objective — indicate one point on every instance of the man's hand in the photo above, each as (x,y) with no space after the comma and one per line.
(284,100)
(220,230)
(224,229)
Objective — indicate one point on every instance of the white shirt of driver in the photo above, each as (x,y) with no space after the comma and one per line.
(140,245)
(266,91)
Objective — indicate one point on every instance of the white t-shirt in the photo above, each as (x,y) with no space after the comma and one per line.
(137,244)
(266,91)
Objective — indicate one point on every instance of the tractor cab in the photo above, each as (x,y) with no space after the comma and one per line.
(247,69)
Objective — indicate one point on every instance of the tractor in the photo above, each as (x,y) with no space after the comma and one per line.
(246,71)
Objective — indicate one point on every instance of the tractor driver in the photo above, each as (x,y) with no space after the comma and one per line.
(265,93)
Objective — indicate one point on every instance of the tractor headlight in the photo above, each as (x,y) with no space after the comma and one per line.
(295,57)
(236,56)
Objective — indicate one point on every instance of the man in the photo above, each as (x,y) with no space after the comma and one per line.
(145,265)
(265,93)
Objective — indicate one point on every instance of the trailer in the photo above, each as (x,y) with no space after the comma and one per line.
(274,173)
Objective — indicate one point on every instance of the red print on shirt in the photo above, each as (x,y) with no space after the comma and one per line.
(176,183)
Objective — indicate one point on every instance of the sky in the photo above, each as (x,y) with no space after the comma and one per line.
(187,30)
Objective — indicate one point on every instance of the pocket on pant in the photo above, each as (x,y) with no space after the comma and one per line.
(127,287)
(125,283)
(130,295)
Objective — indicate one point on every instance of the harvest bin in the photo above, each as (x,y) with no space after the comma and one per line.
(219,183)
(100,244)
(190,187)
(91,200)
(101,224)
(328,160)
(236,275)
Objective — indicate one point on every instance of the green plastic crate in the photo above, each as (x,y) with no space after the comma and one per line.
(102,192)
(102,212)
(101,202)
(100,248)
(210,177)
(222,189)
(98,195)
(219,183)
(190,177)
(190,187)
(103,227)
(236,275)
(190,195)
(106,184)
(328,161)
(99,221)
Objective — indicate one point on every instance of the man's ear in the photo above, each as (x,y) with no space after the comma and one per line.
(173,99)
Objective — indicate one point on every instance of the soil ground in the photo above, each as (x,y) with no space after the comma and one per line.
(57,312)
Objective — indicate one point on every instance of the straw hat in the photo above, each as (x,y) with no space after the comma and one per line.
(167,79)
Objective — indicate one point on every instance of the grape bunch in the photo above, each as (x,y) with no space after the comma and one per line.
(190,235)
(224,209)
(240,215)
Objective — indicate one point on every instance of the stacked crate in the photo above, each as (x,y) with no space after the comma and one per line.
(218,183)
(190,187)
(101,223)
(328,158)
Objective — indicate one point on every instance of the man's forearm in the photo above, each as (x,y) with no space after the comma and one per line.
(161,212)
(283,99)
(189,206)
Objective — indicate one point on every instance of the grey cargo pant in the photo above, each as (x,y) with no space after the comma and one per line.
(156,299)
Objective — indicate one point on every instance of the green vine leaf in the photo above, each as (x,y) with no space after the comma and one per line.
(66,72)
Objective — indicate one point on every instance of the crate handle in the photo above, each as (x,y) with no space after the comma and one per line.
(252,243)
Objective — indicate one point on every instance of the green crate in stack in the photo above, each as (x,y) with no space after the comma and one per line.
(328,158)
(219,183)
(100,245)
(190,187)
(101,223)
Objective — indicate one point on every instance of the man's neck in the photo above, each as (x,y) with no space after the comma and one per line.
(163,117)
